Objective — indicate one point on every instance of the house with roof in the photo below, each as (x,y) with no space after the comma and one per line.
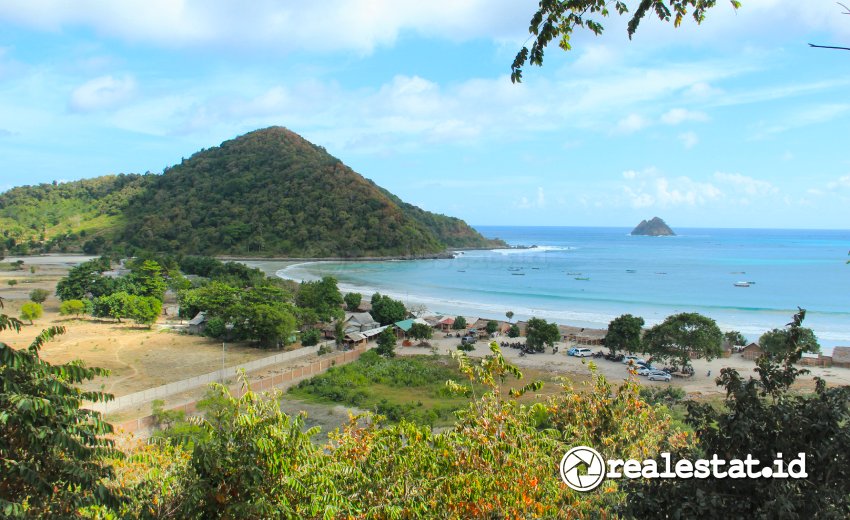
(841,357)
(197,324)
(446,323)
(359,321)
(403,327)
(752,351)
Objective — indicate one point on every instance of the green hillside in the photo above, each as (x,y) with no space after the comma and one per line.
(266,193)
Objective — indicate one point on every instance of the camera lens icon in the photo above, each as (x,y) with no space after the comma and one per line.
(583,468)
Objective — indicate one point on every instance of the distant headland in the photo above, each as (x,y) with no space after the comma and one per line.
(653,228)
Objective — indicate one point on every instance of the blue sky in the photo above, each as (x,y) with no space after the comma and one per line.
(735,123)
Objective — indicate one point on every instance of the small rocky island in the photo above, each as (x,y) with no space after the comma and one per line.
(653,228)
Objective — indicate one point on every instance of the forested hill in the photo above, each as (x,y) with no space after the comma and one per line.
(266,193)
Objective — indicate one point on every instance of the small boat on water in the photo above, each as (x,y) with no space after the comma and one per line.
(573,274)
(630,271)
(518,274)
(741,284)
(583,278)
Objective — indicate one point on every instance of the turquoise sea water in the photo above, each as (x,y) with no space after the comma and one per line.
(647,276)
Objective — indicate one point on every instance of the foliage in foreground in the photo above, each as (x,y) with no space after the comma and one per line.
(762,417)
(499,461)
(50,448)
(557,20)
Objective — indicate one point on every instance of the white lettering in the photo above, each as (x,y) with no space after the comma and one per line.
(684,468)
(612,468)
(799,462)
(702,469)
(631,469)
(650,469)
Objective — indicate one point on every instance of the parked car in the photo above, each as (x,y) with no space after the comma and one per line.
(644,370)
(583,352)
(633,360)
(572,351)
(659,375)
(468,339)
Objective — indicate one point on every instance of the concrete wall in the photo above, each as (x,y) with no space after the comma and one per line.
(282,380)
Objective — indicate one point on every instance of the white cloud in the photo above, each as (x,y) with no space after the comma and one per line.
(360,25)
(689,139)
(746,185)
(841,182)
(648,188)
(102,93)
(537,202)
(677,116)
(632,123)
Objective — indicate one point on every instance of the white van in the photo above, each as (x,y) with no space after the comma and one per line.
(583,352)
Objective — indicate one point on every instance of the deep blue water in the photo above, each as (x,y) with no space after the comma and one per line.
(647,276)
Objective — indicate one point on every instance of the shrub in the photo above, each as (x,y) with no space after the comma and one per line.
(75,307)
(39,295)
(311,337)
(31,311)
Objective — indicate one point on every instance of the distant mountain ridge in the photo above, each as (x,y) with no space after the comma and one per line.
(267,193)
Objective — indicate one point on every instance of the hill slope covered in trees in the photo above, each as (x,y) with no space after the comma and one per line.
(267,193)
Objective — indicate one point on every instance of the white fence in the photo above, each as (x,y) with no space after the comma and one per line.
(161,392)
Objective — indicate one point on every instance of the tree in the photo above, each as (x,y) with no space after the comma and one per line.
(509,315)
(213,298)
(322,296)
(735,338)
(540,333)
(268,325)
(385,310)
(86,281)
(420,331)
(682,336)
(339,333)
(624,333)
(75,307)
(418,309)
(215,327)
(51,448)
(39,295)
(514,331)
(31,311)
(557,20)
(352,300)
(144,310)
(777,342)
(760,418)
(459,324)
(12,283)
(492,326)
(148,280)
(386,343)
(115,305)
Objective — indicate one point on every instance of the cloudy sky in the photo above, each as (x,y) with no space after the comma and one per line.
(735,123)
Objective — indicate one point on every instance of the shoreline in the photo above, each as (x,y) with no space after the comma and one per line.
(584,318)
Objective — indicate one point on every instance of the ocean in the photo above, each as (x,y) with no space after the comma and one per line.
(588,276)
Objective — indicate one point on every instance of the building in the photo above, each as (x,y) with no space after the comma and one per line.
(446,323)
(359,321)
(197,324)
(841,357)
(403,327)
(752,351)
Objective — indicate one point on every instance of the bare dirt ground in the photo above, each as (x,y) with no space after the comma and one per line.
(578,369)
(137,357)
